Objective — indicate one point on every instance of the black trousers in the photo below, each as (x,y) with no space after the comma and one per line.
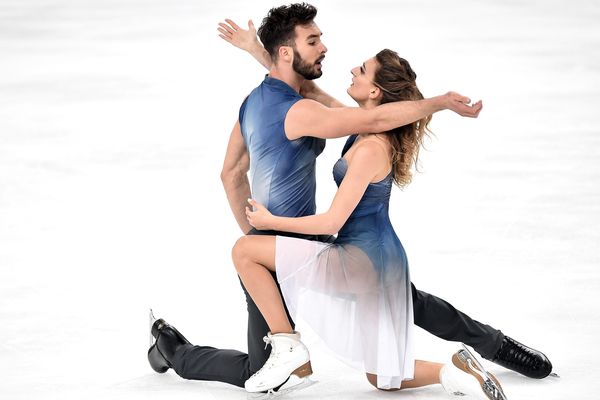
(431,313)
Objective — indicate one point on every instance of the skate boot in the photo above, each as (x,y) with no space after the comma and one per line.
(289,358)
(168,341)
(522,359)
(467,377)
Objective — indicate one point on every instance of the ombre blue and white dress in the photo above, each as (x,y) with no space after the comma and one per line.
(355,292)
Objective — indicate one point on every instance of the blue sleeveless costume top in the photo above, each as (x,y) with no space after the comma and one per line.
(282,171)
(369,226)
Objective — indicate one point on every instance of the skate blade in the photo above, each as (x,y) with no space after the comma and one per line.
(151,319)
(292,385)
(489,384)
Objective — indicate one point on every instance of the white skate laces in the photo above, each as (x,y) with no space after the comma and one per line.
(289,356)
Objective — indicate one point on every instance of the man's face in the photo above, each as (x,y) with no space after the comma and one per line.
(309,51)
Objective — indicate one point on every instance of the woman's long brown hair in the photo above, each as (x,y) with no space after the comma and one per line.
(396,79)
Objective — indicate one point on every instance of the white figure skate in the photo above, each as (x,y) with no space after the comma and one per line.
(467,377)
(289,361)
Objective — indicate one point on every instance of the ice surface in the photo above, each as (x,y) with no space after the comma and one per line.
(114,117)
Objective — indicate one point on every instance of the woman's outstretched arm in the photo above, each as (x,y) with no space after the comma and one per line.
(367,162)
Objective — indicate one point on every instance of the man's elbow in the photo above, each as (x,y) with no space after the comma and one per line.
(225,174)
(230,177)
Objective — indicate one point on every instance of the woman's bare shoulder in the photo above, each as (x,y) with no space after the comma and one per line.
(374,146)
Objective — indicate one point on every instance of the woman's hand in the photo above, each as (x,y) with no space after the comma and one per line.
(244,39)
(462,105)
(260,218)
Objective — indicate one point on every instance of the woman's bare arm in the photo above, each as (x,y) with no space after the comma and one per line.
(310,90)
(367,162)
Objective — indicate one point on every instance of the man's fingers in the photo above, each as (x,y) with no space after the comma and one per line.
(233,24)
(251,25)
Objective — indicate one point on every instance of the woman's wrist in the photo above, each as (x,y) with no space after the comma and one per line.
(274,223)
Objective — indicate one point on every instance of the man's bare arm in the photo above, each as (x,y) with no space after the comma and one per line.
(309,118)
(234,176)
(246,40)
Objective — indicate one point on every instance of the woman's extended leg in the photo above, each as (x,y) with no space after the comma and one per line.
(426,373)
(254,258)
(458,377)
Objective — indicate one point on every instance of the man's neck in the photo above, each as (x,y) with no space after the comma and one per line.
(289,76)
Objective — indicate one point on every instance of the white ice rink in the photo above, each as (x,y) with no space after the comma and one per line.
(114,117)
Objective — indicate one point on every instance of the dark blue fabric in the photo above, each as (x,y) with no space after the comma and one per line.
(282,171)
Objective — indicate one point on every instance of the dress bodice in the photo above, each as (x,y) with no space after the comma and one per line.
(377,195)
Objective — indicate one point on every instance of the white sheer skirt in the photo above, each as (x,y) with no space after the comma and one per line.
(362,310)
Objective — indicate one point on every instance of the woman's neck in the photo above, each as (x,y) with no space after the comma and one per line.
(367,105)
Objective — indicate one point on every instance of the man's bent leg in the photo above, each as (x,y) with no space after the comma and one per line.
(229,366)
(232,366)
(209,364)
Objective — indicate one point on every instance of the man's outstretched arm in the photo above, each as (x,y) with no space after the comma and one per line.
(309,118)
(234,176)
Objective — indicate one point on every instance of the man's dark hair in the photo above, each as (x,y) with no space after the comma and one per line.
(277,28)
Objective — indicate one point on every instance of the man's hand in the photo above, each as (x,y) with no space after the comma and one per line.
(461,105)
(244,39)
(260,218)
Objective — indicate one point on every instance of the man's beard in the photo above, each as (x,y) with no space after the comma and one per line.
(306,70)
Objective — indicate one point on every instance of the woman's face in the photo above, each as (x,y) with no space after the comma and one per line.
(362,87)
